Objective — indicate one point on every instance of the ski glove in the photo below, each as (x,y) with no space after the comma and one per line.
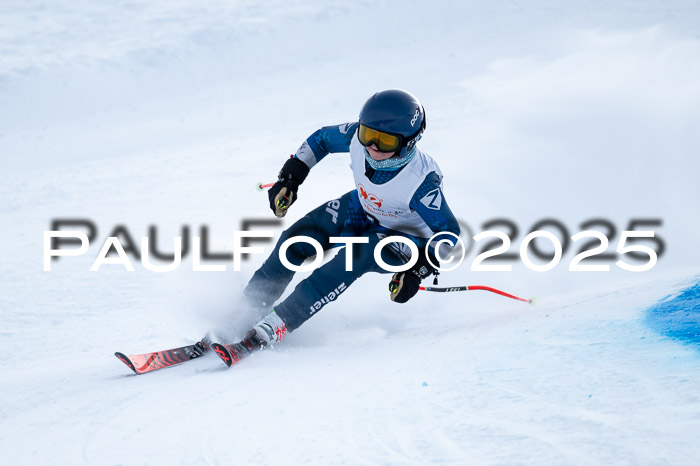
(283,193)
(405,285)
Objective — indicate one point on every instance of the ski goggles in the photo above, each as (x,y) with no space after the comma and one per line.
(385,142)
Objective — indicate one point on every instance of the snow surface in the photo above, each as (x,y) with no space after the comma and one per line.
(167,113)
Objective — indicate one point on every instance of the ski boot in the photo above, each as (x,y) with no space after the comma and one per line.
(267,332)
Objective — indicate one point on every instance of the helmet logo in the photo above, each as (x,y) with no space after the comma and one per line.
(415,117)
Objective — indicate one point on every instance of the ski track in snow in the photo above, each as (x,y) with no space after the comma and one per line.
(168,114)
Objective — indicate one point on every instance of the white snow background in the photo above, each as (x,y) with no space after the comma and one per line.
(167,113)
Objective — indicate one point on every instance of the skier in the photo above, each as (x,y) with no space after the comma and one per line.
(398,193)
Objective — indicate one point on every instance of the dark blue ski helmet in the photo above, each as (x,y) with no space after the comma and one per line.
(399,113)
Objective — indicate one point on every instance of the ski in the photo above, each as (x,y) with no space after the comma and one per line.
(230,354)
(149,362)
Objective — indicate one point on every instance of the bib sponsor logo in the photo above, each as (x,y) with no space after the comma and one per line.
(375,200)
(362,191)
(369,197)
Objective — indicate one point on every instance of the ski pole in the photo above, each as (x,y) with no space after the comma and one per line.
(475,288)
(260,186)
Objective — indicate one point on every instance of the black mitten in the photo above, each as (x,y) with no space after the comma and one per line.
(284,192)
(405,285)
